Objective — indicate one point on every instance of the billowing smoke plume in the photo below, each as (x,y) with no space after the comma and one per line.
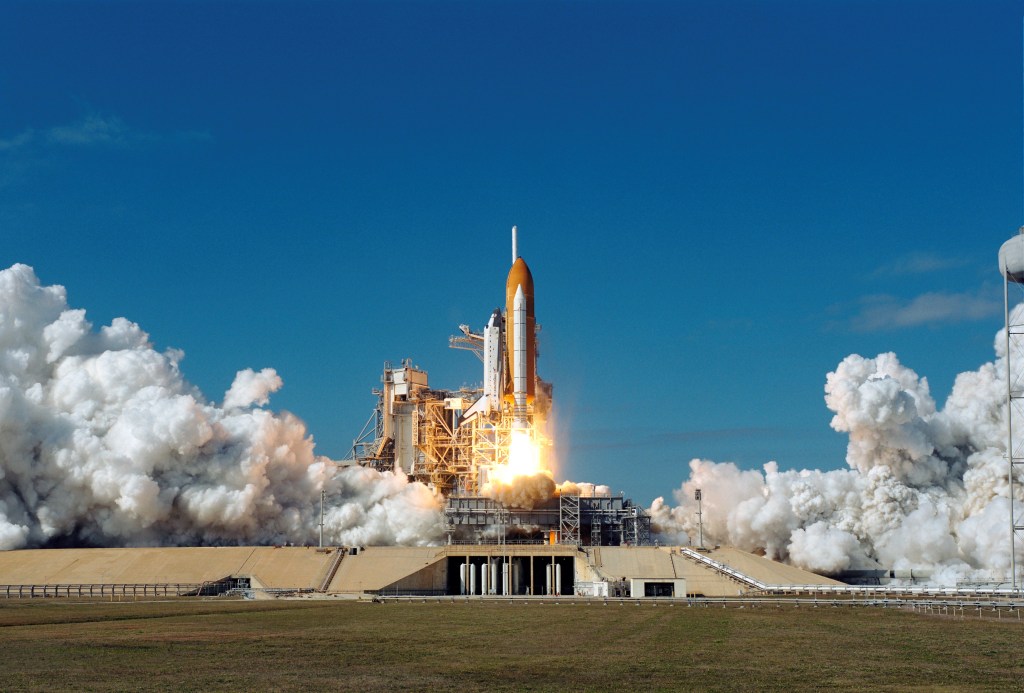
(530,490)
(102,442)
(583,488)
(926,489)
(523,491)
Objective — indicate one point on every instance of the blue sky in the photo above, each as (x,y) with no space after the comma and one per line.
(719,200)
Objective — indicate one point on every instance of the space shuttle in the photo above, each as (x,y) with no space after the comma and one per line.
(510,350)
(520,338)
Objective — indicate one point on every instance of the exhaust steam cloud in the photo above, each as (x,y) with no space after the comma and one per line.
(926,488)
(103,442)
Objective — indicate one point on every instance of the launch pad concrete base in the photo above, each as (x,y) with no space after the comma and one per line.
(471,569)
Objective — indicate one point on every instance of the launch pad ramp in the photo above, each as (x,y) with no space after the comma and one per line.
(723,569)
(332,569)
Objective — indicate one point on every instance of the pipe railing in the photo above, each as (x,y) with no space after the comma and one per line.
(99,590)
(901,590)
(723,602)
(723,568)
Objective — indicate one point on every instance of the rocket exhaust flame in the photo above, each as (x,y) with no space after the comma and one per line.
(523,459)
(523,480)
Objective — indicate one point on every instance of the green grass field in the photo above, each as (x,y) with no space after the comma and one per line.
(470,646)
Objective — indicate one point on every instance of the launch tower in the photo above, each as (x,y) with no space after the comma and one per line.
(461,442)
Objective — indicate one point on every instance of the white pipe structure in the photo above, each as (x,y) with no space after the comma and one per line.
(494,577)
(462,578)
(472,578)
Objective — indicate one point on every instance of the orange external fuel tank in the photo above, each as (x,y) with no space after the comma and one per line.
(520,280)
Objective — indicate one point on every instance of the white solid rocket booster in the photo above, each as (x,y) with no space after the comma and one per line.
(519,360)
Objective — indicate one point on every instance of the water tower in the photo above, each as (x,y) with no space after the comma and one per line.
(1011,266)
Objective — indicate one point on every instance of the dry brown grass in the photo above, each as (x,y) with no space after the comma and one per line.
(476,645)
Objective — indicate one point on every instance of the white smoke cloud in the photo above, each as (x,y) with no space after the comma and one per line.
(926,490)
(103,442)
(584,489)
(251,388)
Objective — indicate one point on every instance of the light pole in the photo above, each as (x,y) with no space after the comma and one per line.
(700,518)
(323,497)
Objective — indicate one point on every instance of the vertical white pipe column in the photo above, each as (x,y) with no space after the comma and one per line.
(558,579)
(1009,431)
(547,579)
(462,578)
(472,579)
(494,576)
(505,586)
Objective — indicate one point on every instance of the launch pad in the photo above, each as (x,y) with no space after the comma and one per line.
(487,450)
(571,520)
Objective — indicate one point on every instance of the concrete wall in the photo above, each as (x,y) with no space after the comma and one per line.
(638,587)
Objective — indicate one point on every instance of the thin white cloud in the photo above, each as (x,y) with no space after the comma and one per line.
(94,131)
(918,263)
(884,312)
(19,140)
